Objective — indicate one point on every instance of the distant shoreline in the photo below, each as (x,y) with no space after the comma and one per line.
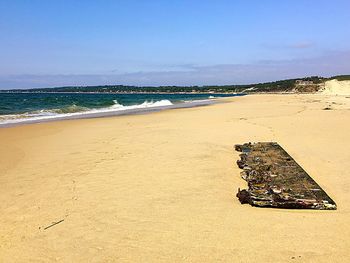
(126,93)
(303,85)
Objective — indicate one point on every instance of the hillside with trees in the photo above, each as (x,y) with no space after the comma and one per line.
(307,84)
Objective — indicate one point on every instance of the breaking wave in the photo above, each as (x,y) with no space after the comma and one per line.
(74,110)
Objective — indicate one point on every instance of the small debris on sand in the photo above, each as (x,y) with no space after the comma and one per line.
(53,224)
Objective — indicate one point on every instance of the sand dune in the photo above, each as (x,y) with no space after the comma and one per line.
(161,187)
(336,87)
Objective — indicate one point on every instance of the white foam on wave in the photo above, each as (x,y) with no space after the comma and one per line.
(56,113)
(196,101)
(146,104)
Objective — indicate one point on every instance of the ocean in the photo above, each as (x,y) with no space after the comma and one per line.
(17,108)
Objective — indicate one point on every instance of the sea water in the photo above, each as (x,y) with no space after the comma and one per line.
(36,107)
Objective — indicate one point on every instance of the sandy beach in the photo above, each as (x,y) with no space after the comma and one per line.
(161,187)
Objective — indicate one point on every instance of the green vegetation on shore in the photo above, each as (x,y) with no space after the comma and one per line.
(288,85)
(341,77)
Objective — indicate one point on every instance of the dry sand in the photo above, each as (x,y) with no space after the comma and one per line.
(161,187)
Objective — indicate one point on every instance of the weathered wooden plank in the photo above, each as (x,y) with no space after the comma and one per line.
(275,179)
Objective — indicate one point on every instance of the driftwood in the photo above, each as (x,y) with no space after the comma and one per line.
(54,223)
(276,180)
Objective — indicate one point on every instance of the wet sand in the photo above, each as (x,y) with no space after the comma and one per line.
(161,187)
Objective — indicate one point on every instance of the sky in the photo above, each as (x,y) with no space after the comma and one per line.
(85,42)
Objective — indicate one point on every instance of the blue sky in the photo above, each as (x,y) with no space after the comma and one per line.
(56,43)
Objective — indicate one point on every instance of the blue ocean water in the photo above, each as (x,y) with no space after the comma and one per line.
(18,107)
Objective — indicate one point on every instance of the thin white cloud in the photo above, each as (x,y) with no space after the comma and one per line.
(296,45)
(302,45)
